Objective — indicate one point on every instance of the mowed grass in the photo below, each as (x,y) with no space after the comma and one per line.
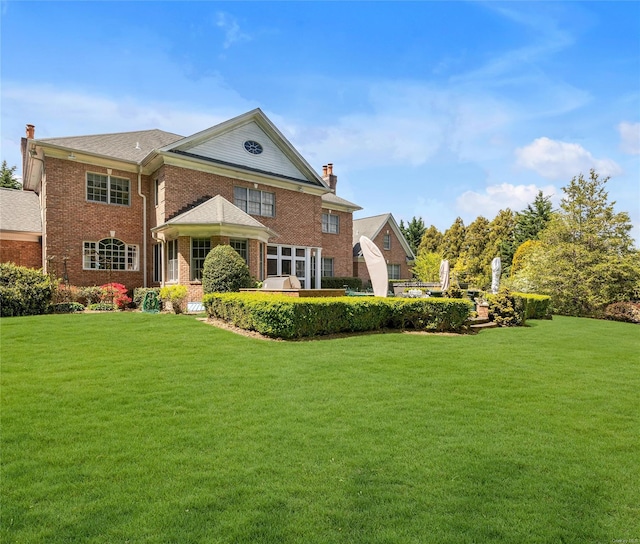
(162,429)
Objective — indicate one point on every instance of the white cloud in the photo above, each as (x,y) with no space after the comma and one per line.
(232,32)
(553,159)
(629,137)
(499,197)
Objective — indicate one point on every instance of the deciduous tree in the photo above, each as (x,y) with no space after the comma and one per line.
(585,259)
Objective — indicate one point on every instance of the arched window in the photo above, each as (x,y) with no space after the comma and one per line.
(110,254)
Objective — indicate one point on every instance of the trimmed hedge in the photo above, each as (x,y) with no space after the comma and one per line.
(510,309)
(289,317)
(24,291)
(535,306)
(353,284)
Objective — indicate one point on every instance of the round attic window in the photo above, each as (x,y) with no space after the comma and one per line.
(253,147)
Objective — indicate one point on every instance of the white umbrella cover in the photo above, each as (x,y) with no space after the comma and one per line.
(496,269)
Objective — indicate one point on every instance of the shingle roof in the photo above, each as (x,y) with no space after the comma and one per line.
(368,226)
(129,146)
(331,198)
(216,210)
(19,211)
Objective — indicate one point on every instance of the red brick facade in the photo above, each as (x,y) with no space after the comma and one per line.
(22,253)
(71,220)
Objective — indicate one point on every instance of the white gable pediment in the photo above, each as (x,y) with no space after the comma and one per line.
(225,144)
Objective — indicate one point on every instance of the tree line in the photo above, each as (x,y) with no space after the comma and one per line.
(582,254)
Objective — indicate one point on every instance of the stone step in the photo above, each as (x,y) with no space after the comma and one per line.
(485,325)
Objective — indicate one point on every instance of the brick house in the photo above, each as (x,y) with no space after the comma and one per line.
(385,233)
(144,208)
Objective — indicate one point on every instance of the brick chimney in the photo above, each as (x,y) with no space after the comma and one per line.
(31,132)
(329,177)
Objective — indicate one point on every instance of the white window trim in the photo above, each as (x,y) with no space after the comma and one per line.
(109,178)
(192,266)
(327,227)
(176,261)
(131,253)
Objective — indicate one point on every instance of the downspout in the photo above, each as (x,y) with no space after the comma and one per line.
(42,198)
(144,228)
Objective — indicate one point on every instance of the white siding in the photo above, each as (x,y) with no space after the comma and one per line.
(229,147)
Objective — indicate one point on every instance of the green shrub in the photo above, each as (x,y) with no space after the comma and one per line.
(87,295)
(140,292)
(536,306)
(67,307)
(623,311)
(224,271)
(174,295)
(353,284)
(102,307)
(505,309)
(289,317)
(23,291)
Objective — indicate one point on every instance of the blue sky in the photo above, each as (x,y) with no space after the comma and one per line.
(431,109)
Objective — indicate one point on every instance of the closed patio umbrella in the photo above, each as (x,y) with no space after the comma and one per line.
(444,275)
(496,269)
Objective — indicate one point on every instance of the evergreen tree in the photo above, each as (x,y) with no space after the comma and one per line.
(413,233)
(469,266)
(585,259)
(501,241)
(8,178)
(431,240)
(531,221)
(452,244)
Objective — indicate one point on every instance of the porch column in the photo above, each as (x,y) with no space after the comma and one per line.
(318,268)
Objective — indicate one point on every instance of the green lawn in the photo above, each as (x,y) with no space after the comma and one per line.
(162,429)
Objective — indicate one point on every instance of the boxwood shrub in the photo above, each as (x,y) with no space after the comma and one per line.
(289,317)
(23,291)
(535,306)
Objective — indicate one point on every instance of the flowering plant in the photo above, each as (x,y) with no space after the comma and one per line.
(116,292)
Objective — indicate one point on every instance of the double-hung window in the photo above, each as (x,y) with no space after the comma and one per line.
(386,243)
(330,223)
(393,271)
(327,267)
(172,260)
(107,189)
(241,247)
(110,254)
(255,202)
(200,247)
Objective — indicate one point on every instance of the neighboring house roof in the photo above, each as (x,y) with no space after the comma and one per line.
(128,146)
(215,216)
(330,200)
(20,211)
(371,227)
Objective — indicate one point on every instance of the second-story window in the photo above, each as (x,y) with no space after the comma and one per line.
(387,241)
(107,189)
(330,223)
(255,202)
